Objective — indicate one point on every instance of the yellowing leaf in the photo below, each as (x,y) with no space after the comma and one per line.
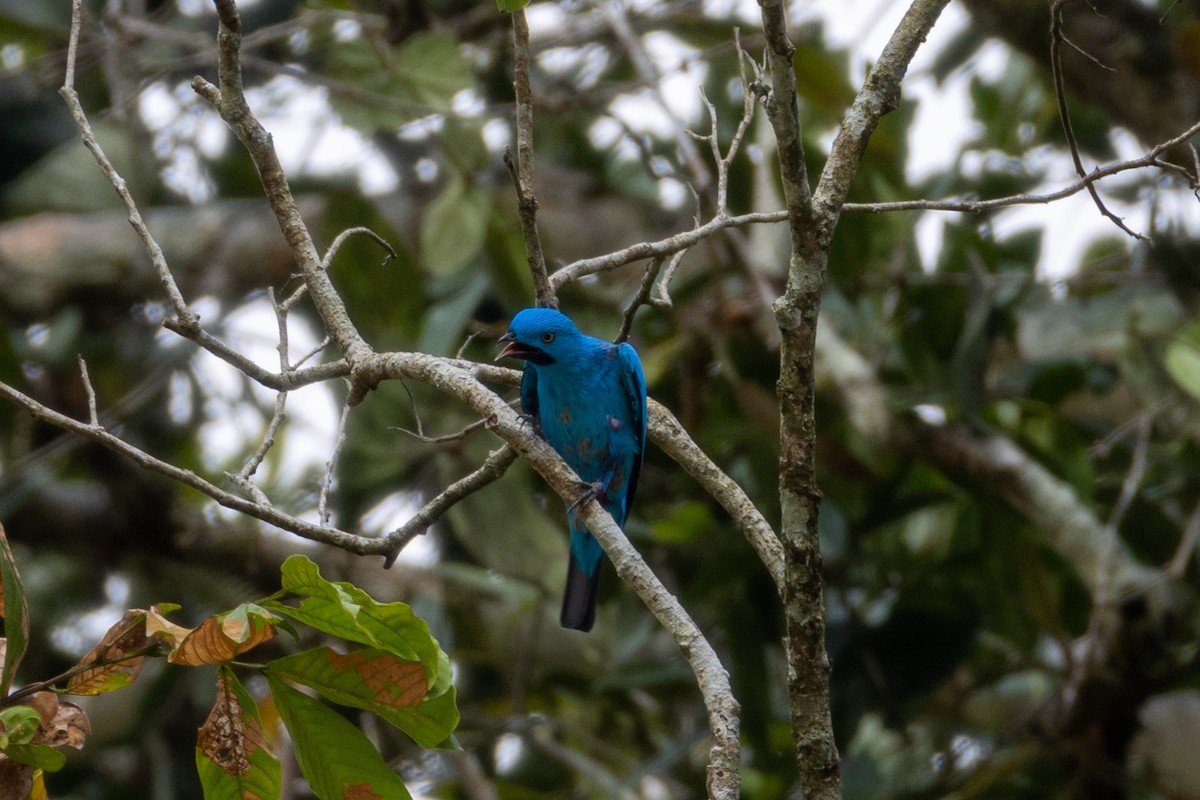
(115,667)
(160,628)
(15,614)
(222,638)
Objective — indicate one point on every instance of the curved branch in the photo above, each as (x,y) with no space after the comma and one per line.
(230,102)
(724,773)
(673,439)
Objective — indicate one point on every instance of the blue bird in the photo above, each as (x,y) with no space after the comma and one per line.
(588,398)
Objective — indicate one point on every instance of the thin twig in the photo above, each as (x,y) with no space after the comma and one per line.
(494,466)
(331,464)
(641,298)
(1064,115)
(331,253)
(689,238)
(93,417)
(458,435)
(242,476)
(187,318)
(1177,566)
(664,284)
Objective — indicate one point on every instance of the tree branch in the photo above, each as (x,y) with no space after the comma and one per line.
(811,222)
(522,169)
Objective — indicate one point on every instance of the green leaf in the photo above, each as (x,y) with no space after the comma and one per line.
(442,331)
(374,680)
(15,613)
(685,523)
(67,178)
(18,724)
(344,610)
(337,760)
(415,80)
(454,227)
(509,6)
(1182,359)
(231,753)
(42,756)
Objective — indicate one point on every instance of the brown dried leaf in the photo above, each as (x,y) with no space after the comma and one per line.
(230,736)
(68,727)
(127,636)
(361,791)
(16,780)
(216,641)
(222,736)
(45,703)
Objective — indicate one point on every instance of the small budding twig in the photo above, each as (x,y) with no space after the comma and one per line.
(93,417)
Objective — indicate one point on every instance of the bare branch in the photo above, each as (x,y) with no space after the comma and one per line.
(1177,566)
(242,476)
(353,543)
(230,102)
(672,438)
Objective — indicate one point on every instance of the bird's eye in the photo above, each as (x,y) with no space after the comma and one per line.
(547,337)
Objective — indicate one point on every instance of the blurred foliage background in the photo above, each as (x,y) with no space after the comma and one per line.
(960,640)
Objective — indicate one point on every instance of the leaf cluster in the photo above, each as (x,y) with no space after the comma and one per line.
(393,669)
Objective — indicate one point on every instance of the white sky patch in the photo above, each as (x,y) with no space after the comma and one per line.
(467,103)
(604,133)
(76,636)
(12,56)
(310,138)
(507,752)
(583,65)
(673,194)
(683,73)
(237,419)
(390,513)
(641,114)
(497,134)
(544,17)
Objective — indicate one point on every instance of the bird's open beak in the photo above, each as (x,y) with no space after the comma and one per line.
(512,348)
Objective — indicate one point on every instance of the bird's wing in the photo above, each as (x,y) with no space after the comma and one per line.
(529,398)
(634,382)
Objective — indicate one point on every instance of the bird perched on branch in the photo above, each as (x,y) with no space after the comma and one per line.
(588,399)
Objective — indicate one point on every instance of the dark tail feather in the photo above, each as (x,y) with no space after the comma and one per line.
(579,600)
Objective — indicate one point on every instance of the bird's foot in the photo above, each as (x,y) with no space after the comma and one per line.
(591,491)
(531,421)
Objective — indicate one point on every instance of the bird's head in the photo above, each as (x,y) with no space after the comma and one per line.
(540,335)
